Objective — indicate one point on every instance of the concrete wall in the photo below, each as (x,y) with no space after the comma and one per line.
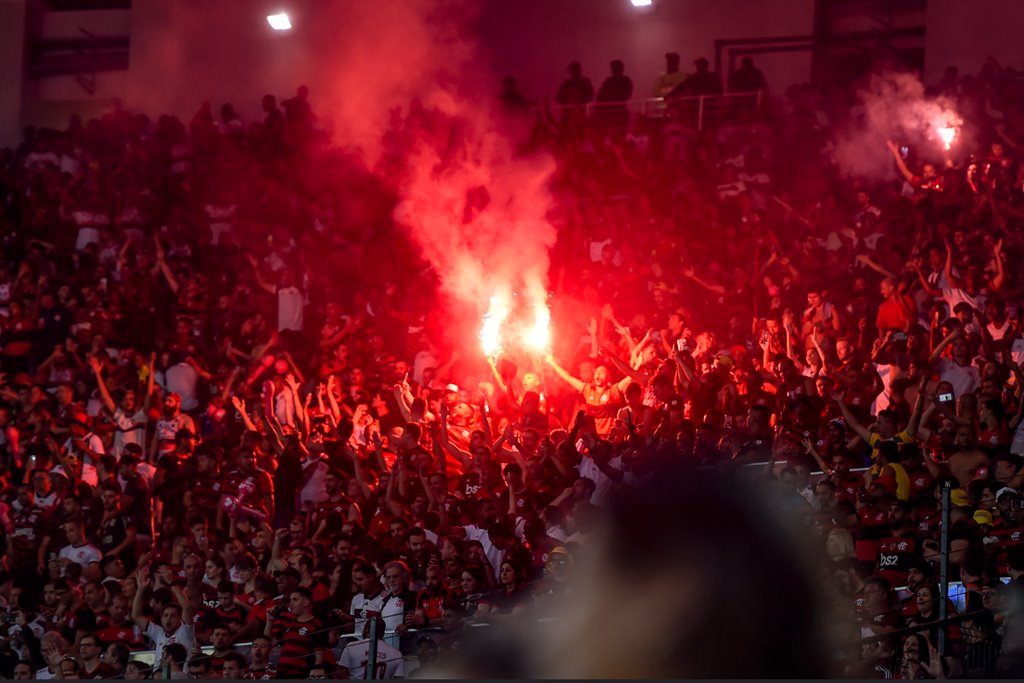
(964,34)
(12,41)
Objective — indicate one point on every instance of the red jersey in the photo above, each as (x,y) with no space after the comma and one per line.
(894,554)
(300,642)
(265,673)
(29,527)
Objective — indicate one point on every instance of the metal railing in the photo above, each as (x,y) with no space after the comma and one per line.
(697,111)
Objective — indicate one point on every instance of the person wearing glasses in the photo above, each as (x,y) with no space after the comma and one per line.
(317,673)
(90,649)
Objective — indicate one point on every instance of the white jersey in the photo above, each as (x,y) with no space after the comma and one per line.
(83,555)
(354,657)
(184,635)
(362,606)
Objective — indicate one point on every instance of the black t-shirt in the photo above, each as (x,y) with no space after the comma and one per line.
(140,510)
(113,532)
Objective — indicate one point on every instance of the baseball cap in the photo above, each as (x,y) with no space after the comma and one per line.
(959,498)
(1006,491)
(983,517)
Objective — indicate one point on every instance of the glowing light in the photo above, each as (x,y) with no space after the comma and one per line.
(538,337)
(490,330)
(947,134)
(641,3)
(279,22)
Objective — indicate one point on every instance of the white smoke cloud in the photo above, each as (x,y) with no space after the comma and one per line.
(893,106)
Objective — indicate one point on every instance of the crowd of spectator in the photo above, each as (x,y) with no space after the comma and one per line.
(234,432)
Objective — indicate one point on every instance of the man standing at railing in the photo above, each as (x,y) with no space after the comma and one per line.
(301,635)
(670,78)
(747,78)
(613,96)
(575,93)
(704,82)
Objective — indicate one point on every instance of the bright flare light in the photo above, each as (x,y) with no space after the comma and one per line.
(538,338)
(947,134)
(641,3)
(490,331)
(279,22)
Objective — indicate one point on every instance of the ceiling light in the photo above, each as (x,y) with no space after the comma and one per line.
(281,22)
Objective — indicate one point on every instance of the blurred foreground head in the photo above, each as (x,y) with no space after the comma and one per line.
(691,576)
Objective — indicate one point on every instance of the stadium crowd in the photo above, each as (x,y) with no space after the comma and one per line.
(231,418)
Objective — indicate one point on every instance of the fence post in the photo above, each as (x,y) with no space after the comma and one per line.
(371,659)
(944,566)
(700,114)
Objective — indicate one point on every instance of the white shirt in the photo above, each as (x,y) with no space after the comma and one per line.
(314,492)
(184,635)
(494,555)
(393,613)
(89,475)
(602,483)
(127,432)
(422,361)
(964,378)
(362,606)
(290,302)
(92,442)
(390,663)
(957,295)
(82,555)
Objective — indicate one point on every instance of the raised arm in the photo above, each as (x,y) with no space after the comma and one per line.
(575,383)
(915,417)
(877,267)
(953,280)
(138,616)
(266,286)
(900,164)
(1000,277)
(631,375)
(937,353)
(162,266)
(239,405)
(717,289)
(851,420)
(332,400)
(150,383)
(97,371)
